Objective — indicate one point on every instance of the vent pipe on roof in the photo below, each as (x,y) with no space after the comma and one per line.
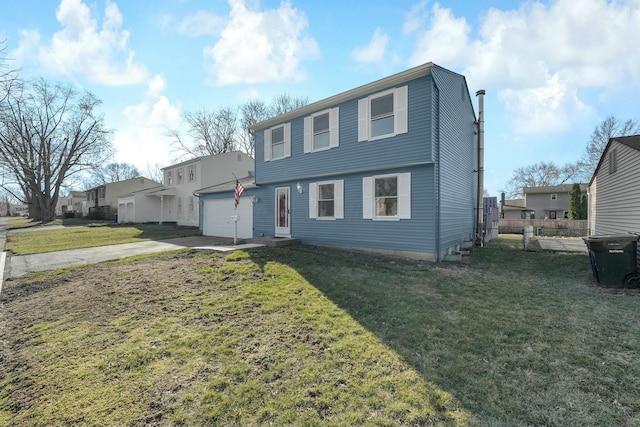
(480,224)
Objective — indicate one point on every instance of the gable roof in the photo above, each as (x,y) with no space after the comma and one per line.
(247,182)
(631,141)
(378,85)
(220,157)
(550,189)
(111,184)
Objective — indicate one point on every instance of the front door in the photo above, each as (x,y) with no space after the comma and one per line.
(283,228)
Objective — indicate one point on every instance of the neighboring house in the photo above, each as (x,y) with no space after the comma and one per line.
(146,205)
(550,202)
(614,189)
(19,210)
(515,209)
(72,202)
(104,198)
(175,200)
(389,166)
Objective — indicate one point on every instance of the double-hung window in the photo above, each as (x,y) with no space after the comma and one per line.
(383,114)
(326,200)
(277,142)
(387,196)
(192,173)
(321,131)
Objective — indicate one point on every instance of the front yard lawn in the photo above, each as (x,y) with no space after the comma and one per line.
(50,239)
(320,337)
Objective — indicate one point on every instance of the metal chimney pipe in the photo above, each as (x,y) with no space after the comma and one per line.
(480,226)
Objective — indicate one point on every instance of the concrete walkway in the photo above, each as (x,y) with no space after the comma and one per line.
(566,244)
(19,265)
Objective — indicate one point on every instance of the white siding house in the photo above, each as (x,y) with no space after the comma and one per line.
(175,200)
(614,190)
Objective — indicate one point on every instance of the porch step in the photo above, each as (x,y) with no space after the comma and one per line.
(276,242)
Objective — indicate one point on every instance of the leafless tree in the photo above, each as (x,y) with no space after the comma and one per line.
(251,112)
(538,175)
(114,172)
(221,131)
(209,132)
(48,133)
(154,172)
(283,103)
(608,128)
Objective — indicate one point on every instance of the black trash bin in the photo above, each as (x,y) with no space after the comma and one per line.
(614,259)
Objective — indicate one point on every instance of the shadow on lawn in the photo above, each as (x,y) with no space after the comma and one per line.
(478,330)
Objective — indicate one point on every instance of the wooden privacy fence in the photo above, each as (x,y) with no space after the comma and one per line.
(545,227)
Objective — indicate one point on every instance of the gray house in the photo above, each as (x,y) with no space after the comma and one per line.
(550,202)
(391,166)
(614,189)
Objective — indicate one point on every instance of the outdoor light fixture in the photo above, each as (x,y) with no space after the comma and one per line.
(299,188)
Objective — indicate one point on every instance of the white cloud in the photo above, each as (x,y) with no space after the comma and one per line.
(414,18)
(446,42)
(200,23)
(374,51)
(82,48)
(261,46)
(141,139)
(539,57)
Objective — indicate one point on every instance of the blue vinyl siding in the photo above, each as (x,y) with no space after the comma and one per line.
(439,150)
(415,234)
(458,154)
(351,155)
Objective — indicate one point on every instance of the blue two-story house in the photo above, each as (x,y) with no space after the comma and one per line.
(391,166)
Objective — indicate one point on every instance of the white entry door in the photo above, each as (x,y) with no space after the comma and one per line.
(283,226)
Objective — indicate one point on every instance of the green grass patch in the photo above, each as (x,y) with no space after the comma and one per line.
(76,237)
(320,337)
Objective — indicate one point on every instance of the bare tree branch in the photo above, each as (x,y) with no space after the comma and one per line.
(49,132)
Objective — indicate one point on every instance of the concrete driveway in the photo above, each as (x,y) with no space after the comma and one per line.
(16,266)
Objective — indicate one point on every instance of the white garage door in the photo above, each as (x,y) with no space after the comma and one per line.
(217,218)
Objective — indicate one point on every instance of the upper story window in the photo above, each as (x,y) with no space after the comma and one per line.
(277,142)
(169,177)
(554,197)
(383,115)
(192,173)
(102,192)
(326,200)
(180,175)
(321,130)
(387,196)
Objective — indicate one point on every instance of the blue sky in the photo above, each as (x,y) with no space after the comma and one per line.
(552,69)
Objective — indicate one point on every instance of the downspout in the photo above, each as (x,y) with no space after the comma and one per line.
(436,168)
(480,226)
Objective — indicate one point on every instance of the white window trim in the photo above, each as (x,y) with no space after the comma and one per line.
(287,142)
(404,197)
(334,138)
(338,200)
(554,196)
(400,114)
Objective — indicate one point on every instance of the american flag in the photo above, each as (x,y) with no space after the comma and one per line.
(238,193)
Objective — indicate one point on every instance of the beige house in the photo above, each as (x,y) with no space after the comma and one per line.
(72,202)
(175,201)
(614,189)
(104,198)
(548,202)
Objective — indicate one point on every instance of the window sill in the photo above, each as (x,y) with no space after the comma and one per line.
(376,138)
(390,218)
(325,218)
